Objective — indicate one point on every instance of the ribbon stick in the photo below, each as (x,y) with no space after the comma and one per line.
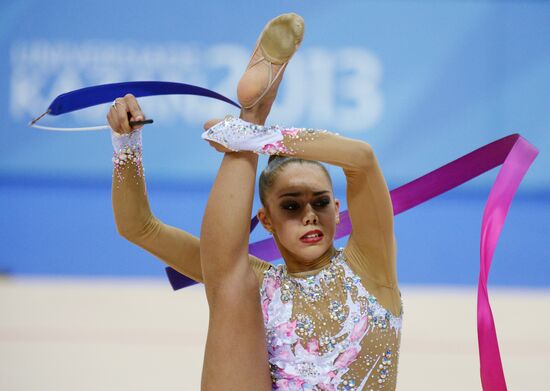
(516,155)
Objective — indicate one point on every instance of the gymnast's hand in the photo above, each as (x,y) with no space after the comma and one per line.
(215,145)
(122,111)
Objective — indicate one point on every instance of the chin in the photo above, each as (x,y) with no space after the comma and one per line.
(312,252)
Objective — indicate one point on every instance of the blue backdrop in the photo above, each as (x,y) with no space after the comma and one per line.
(423,82)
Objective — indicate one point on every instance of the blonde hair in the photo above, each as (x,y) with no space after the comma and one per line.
(274,165)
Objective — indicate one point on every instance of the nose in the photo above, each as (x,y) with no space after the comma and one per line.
(309,216)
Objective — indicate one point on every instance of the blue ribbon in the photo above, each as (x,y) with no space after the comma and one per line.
(95,95)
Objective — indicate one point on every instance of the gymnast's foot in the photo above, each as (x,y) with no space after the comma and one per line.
(258,85)
(275,47)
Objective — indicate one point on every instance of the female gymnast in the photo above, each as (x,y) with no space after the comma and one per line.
(329,319)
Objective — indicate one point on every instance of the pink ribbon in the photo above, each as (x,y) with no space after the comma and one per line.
(516,163)
(516,155)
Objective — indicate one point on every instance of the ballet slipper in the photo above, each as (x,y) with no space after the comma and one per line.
(276,45)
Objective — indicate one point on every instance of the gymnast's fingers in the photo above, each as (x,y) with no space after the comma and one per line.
(113,119)
(219,147)
(133,108)
(208,124)
(122,115)
(113,123)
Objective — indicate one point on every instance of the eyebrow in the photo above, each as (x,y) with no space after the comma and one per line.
(299,193)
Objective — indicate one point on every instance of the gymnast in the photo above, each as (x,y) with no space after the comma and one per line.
(328,319)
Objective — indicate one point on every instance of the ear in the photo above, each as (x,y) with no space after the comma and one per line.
(337,210)
(264,219)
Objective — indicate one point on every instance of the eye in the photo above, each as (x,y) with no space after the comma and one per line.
(290,205)
(321,203)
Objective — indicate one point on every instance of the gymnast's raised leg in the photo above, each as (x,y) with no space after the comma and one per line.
(236,355)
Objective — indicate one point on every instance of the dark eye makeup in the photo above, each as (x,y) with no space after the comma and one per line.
(291,205)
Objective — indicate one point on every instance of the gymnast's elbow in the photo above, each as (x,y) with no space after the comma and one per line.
(130,231)
(362,155)
(125,232)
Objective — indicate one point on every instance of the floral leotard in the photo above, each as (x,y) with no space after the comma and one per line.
(325,331)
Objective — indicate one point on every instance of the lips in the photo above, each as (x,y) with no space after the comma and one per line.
(312,236)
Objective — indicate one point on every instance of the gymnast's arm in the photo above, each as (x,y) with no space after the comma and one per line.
(371,247)
(133,217)
(372,242)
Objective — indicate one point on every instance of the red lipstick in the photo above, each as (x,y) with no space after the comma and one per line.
(312,237)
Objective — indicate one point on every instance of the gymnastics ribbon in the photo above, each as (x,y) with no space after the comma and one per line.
(516,155)
(95,95)
(513,152)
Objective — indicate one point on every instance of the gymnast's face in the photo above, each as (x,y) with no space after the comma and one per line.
(301,211)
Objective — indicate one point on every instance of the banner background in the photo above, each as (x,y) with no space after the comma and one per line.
(423,82)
